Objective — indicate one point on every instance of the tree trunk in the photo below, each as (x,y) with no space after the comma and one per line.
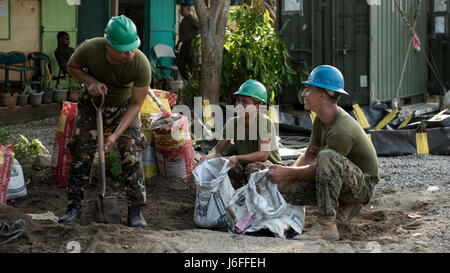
(212,22)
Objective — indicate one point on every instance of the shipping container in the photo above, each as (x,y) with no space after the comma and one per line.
(439,42)
(368,40)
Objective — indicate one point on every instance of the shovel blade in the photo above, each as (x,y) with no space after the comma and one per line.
(106,210)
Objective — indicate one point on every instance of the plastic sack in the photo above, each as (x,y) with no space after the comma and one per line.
(6,163)
(16,185)
(148,112)
(169,96)
(173,145)
(259,205)
(214,191)
(61,157)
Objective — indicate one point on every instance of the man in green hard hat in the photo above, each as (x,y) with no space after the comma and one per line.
(111,66)
(252,132)
(339,169)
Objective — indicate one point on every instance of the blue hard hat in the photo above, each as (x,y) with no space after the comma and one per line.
(327,77)
(189,2)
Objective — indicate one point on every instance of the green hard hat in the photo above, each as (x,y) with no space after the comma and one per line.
(253,89)
(121,34)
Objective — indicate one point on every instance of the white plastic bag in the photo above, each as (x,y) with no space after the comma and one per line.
(259,205)
(16,185)
(214,191)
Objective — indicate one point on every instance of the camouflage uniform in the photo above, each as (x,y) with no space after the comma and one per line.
(83,146)
(337,180)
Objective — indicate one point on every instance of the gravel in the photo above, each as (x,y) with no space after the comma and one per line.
(414,171)
(399,172)
(44,130)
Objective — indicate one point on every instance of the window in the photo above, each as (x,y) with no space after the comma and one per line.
(439,17)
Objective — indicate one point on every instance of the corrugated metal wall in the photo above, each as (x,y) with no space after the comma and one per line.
(389,46)
(366,39)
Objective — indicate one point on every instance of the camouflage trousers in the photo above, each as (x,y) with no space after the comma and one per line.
(240,174)
(337,180)
(83,146)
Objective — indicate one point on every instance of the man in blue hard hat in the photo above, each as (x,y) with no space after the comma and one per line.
(111,66)
(339,169)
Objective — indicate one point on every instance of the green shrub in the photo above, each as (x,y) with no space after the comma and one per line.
(4,137)
(27,151)
(253,50)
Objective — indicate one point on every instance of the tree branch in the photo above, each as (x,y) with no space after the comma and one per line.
(202,10)
(216,7)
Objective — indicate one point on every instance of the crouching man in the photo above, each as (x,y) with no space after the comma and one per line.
(257,149)
(339,170)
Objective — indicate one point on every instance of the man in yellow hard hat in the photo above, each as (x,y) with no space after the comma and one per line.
(256,148)
(111,66)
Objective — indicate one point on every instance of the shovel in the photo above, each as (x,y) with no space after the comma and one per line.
(106,209)
(155,98)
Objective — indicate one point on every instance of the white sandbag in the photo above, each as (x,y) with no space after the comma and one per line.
(214,191)
(16,185)
(259,205)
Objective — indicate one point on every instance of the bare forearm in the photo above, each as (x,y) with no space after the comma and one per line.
(253,157)
(137,99)
(219,148)
(304,172)
(128,118)
(308,157)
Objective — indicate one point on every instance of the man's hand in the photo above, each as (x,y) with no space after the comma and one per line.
(208,156)
(110,142)
(278,174)
(97,89)
(232,161)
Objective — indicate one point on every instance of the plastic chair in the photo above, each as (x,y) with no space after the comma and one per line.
(4,58)
(16,61)
(37,58)
(165,51)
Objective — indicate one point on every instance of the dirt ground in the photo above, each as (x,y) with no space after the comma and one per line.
(382,226)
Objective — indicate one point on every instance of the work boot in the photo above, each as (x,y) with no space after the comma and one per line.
(324,228)
(73,213)
(135,218)
(347,211)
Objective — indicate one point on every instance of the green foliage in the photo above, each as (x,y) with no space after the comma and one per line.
(114,160)
(253,50)
(46,80)
(8,88)
(73,84)
(26,90)
(4,136)
(302,75)
(191,90)
(27,151)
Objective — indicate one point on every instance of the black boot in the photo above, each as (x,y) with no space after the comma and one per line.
(73,213)
(135,218)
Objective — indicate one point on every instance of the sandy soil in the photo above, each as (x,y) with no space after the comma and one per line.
(382,226)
